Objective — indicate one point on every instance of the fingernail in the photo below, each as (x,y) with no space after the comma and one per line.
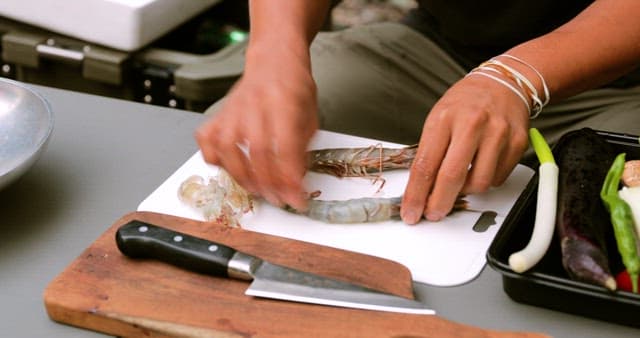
(299,203)
(434,216)
(252,190)
(271,198)
(410,217)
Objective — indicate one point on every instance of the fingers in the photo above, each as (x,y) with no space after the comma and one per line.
(452,174)
(485,166)
(205,137)
(291,163)
(518,143)
(424,170)
(263,161)
(219,147)
(278,158)
(497,156)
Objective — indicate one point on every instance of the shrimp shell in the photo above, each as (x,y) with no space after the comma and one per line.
(220,200)
(236,196)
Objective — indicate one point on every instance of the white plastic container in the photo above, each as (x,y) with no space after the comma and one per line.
(121,24)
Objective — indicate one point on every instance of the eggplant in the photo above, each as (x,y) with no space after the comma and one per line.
(582,222)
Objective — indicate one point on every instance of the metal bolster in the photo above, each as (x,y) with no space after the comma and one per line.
(57,53)
(242,266)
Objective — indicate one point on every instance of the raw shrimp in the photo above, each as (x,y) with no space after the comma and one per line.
(367,162)
(360,162)
(220,199)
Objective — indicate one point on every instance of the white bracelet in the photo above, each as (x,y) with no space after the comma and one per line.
(522,81)
(545,88)
(516,79)
(504,83)
(521,78)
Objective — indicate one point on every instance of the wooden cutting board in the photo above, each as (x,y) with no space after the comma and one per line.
(103,290)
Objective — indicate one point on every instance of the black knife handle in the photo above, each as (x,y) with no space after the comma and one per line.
(137,239)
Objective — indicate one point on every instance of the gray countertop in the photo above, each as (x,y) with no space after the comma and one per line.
(105,156)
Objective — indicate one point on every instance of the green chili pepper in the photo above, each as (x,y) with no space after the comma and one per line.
(622,220)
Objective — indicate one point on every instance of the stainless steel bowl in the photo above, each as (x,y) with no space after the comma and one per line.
(26,122)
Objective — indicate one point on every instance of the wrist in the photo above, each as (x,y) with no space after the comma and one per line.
(287,53)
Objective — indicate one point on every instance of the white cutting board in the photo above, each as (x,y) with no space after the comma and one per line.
(121,24)
(442,253)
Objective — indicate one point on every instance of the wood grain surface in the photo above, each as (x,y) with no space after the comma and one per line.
(103,290)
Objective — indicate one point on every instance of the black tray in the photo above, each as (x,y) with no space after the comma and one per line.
(547,284)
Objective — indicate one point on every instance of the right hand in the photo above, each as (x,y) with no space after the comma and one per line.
(471,140)
(272,109)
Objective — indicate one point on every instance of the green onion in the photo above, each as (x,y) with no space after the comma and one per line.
(546,205)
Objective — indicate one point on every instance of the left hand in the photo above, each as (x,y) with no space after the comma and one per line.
(471,140)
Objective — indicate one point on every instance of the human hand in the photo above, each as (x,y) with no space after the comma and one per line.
(471,140)
(273,111)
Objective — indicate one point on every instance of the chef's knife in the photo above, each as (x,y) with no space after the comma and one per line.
(137,239)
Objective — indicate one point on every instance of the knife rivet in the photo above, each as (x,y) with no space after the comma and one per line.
(177,238)
(143,228)
(213,247)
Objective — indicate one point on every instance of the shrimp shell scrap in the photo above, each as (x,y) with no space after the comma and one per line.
(220,199)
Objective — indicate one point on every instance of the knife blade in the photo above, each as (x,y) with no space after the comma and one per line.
(142,240)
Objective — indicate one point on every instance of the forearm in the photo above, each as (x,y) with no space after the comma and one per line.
(596,47)
(284,29)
